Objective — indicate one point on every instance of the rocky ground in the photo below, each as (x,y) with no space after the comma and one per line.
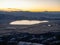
(38,34)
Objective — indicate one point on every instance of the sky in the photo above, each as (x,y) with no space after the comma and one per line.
(31,5)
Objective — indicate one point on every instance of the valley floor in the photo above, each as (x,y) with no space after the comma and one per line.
(51,26)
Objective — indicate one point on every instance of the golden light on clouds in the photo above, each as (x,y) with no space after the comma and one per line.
(30,5)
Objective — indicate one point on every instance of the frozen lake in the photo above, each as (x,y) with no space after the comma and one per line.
(27,22)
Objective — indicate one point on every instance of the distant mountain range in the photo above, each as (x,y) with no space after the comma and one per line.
(21,15)
(29,15)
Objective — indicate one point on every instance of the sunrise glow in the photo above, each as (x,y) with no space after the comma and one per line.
(30,5)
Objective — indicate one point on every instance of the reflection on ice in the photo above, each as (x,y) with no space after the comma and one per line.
(26,22)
